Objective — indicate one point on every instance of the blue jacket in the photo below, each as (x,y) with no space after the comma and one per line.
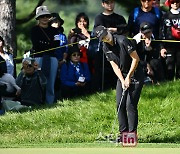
(69,76)
(63,48)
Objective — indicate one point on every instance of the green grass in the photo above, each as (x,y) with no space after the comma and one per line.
(91,150)
(81,120)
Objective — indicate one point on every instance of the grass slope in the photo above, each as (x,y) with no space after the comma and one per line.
(81,120)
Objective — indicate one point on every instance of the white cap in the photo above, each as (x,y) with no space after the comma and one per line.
(42,10)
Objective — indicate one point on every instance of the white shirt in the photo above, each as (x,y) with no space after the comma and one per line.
(10,82)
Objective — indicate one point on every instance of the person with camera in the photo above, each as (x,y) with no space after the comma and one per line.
(122,55)
(74,75)
(32,83)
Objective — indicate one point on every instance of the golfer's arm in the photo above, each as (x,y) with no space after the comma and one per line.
(134,64)
(117,70)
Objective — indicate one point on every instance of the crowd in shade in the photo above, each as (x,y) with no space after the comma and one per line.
(77,64)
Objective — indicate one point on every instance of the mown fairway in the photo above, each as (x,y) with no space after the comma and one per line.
(81,120)
(91,151)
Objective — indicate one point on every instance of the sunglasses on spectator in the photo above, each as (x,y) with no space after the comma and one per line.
(29,66)
(75,55)
(146,0)
(45,16)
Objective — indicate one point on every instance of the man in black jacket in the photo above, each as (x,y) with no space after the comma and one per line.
(113,21)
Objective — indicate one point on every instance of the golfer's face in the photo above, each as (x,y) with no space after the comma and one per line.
(107,38)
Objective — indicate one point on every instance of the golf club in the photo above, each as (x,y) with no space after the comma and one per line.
(119,106)
(110,136)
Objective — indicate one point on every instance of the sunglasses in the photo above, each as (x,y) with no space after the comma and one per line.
(75,55)
(45,16)
(29,66)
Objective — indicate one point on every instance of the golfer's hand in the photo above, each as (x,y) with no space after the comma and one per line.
(127,82)
(123,85)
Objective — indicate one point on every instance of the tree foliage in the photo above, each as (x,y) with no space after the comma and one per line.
(31,15)
(40,2)
(128,4)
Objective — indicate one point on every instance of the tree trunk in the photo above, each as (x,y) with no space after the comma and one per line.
(7,23)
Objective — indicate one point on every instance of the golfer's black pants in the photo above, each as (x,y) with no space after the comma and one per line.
(128,112)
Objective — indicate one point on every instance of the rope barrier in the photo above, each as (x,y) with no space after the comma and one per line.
(158,40)
(16,58)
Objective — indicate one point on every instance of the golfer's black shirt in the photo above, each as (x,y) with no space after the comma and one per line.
(122,48)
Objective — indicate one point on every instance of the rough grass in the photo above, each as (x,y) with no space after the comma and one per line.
(81,120)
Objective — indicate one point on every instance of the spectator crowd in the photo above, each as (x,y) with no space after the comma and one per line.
(60,67)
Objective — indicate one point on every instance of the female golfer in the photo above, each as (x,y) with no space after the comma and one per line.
(124,60)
